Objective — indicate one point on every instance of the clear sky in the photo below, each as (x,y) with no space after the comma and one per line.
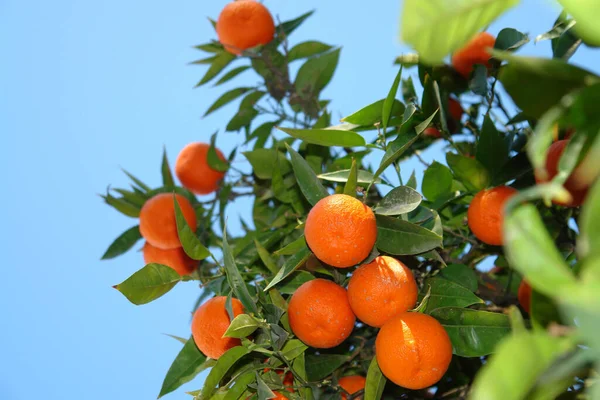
(87,87)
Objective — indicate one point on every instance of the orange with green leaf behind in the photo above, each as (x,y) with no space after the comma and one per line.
(381,289)
(174,258)
(244,24)
(340,230)
(320,314)
(413,350)
(524,295)
(474,52)
(194,172)
(209,324)
(352,384)
(486,214)
(157,220)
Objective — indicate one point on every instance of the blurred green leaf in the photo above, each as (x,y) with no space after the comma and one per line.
(242,326)
(224,363)
(424,23)
(263,162)
(299,367)
(222,60)
(390,101)
(212,47)
(212,158)
(266,257)
(409,93)
(167,176)
(375,381)
(121,205)
(468,171)
(322,365)
(236,282)
(232,74)
(586,14)
(400,200)
(189,241)
(290,265)
(290,26)
(351,180)
(372,113)
(307,49)
(292,248)
(326,137)
(307,179)
(437,181)
(226,98)
(461,274)
(492,147)
(478,83)
(188,363)
(140,184)
(149,283)
(316,73)
(395,236)
(123,243)
(445,293)
(588,243)
(407,60)
(510,39)
(473,333)
(246,113)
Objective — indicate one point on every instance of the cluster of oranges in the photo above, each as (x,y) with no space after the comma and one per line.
(157,216)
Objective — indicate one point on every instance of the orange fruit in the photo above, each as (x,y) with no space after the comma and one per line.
(244,24)
(320,315)
(157,220)
(432,132)
(352,384)
(524,295)
(413,350)
(210,322)
(174,258)
(193,171)
(340,230)
(474,52)
(486,214)
(380,290)
(577,191)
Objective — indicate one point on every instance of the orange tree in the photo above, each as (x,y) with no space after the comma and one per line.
(349,283)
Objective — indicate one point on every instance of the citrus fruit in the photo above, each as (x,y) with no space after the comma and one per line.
(193,171)
(157,220)
(413,350)
(340,230)
(474,52)
(174,258)
(432,132)
(524,295)
(244,24)
(380,290)
(486,214)
(352,384)
(320,315)
(210,322)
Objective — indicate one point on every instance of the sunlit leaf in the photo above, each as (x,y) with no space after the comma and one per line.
(149,283)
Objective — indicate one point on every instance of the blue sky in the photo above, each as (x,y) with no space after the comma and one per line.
(89,87)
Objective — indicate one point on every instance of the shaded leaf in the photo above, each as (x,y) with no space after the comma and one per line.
(226,98)
(189,241)
(188,363)
(316,73)
(123,243)
(468,171)
(461,274)
(307,49)
(320,366)
(373,113)
(236,282)
(307,179)
(492,147)
(221,368)
(222,60)
(293,247)
(290,265)
(510,39)
(263,162)
(232,74)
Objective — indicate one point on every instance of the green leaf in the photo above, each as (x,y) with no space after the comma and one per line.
(167,176)
(189,241)
(307,179)
(236,282)
(121,205)
(400,200)
(123,243)
(307,49)
(501,378)
(531,251)
(242,326)
(188,363)
(548,80)
(141,184)
(375,381)
(288,27)
(320,366)
(409,93)
(294,281)
(586,14)
(436,28)
(461,274)
(293,348)
(222,60)
(263,162)
(351,180)
(293,247)
(412,181)
(225,362)
(469,172)
(265,257)
(437,181)
(390,100)
(316,73)
(326,137)
(213,47)
(226,98)
(240,386)
(290,265)
(246,112)
(363,177)
(510,39)
(264,392)
(212,158)
(299,367)
(445,293)
(588,244)
(373,113)
(149,283)
(478,82)
(492,147)
(472,333)
(395,236)
(232,74)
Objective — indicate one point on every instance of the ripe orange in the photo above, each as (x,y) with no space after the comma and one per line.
(432,132)
(174,258)
(380,290)
(193,171)
(413,350)
(340,230)
(474,52)
(352,384)
(577,191)
(157,220)
(486,214)
(524,295)
(320,315)
(209,324)
(244,24)
(456,112)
